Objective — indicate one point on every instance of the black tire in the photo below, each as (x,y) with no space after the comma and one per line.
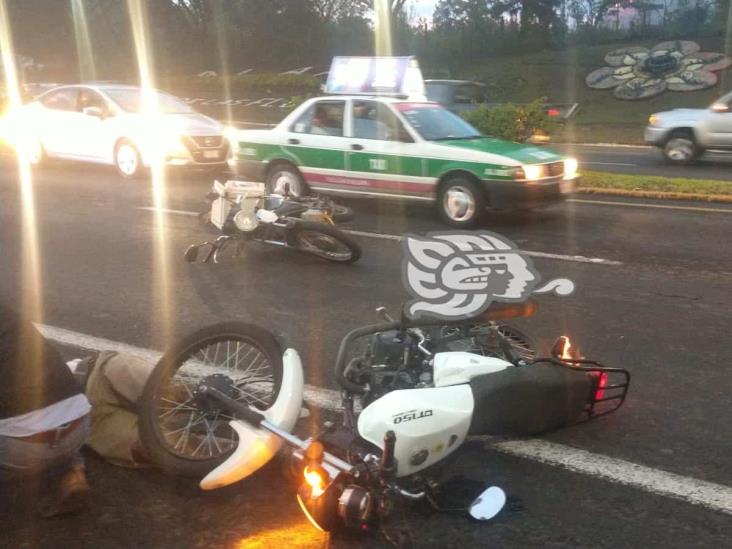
(341,214)
(158,443)
(127,149)
(461,202)
(681,148)
(280,174)
(316,238)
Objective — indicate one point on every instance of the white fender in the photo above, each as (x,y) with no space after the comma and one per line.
(257,446)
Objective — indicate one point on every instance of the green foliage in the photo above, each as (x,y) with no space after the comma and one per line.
(510,121)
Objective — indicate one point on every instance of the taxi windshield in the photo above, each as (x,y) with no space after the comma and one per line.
(130,100)
(435,123)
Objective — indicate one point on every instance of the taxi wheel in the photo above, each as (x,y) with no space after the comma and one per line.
(461,202)
(283,177)
(127,160)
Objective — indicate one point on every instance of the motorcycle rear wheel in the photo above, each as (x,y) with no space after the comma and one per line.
(186,434)
(325,241)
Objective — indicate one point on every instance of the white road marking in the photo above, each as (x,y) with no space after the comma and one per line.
(584,162)
(698,492)
(646,205)
(561,257)
(317,396)
(397,238)
(168,211)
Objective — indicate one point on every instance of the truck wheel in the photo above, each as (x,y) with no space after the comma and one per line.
(681,148)
(461,202)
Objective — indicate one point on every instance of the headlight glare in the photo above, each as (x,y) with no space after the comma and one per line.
(533,172)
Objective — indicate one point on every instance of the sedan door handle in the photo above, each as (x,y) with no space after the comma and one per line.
(293,141)
(357,147)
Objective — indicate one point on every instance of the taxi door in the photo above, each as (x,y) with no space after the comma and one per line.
(382,157)
(316,139)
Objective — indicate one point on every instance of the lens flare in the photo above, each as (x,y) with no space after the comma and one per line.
(87,67)
(163,306)
(31,305)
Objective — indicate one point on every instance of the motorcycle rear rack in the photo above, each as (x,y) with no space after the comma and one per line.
(604,400)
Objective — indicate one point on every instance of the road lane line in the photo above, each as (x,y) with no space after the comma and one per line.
(646,205)
(166,210)
(717,497)
(583,162)
(699,492)
(397,238)
(317,396)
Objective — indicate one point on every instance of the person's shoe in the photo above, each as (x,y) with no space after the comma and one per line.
(69,493)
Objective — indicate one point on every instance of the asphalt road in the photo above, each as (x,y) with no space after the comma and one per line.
(658,303)
(648,161)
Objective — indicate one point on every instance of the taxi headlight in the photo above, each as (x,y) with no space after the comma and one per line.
(533,173)
(570,168)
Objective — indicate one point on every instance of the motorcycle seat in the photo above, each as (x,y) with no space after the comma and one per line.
(529,400)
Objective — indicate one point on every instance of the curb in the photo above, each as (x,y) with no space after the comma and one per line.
(661,195)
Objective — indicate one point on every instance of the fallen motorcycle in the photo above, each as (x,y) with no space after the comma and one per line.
(241,212)
(221,403)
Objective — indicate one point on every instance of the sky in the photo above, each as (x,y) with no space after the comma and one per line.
(423,8)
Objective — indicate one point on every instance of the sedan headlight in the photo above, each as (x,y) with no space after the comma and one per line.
(570,168)
(654,120)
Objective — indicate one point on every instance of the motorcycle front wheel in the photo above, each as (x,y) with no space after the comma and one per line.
(325,241)
(186,433)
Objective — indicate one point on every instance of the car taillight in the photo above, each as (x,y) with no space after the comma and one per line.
(553,113)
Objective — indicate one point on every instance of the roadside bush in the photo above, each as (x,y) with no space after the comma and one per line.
(510,121)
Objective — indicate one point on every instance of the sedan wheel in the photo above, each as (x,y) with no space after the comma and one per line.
(127,160)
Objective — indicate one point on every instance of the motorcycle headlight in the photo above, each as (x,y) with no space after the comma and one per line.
(570,168)
(318,498)
(246,221)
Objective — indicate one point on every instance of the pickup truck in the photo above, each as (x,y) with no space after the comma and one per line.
(461,96)
(684,134)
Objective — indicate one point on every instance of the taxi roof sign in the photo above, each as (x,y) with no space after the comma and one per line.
(396,76)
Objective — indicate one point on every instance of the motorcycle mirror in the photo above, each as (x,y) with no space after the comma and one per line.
(191,254)
(488,504)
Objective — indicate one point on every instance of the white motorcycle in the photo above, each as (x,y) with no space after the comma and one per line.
(221,403)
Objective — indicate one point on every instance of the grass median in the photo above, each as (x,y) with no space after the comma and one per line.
(653,186)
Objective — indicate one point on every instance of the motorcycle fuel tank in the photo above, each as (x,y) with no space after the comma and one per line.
(456,367)
(429,424)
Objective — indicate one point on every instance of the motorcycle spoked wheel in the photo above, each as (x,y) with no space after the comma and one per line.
(520,341)
(189,435)
(324,241)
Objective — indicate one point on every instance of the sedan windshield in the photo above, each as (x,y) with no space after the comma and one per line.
(130,100)
(435,123)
